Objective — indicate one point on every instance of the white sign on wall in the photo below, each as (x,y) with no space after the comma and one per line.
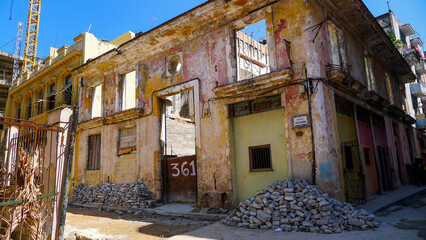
(300,121)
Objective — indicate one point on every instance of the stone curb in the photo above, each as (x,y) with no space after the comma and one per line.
(190,215)
(397,200)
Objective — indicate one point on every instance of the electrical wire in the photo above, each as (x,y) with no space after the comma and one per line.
(7,43)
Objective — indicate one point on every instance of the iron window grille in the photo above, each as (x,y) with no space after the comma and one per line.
(260,158)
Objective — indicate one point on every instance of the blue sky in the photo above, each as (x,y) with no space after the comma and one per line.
(61,21)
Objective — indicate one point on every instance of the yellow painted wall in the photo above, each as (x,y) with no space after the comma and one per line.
(346,128)
(253,130)
(93,177)
(126,169)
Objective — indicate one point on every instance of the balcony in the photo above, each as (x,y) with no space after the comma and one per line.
(418,89)
(421,67)
(421,121)
(336,73)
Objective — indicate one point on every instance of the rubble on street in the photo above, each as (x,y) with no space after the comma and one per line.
(294,205)
(115,195)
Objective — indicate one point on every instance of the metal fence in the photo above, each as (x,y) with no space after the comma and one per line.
(31,178)
(354,178)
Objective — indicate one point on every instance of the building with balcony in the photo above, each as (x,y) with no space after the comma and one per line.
(229,97)
(404,38)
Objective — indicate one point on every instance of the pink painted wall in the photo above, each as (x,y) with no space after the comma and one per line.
(366,140)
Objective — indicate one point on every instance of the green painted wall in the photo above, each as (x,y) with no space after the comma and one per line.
(254,130)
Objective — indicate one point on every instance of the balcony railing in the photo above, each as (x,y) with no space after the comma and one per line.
(421,67)
(418,89)
(410,55)
(421,121)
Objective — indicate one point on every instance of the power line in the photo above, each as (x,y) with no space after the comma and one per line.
(7,43)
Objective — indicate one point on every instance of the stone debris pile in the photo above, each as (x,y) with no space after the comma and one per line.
(116,195)
(294,205)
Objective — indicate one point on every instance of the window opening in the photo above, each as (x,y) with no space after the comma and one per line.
(29,108)
(94,152)
(96,102)
(18,111)
(367,156)
(369,73)
(260,158)
(51,98)
(67,91)
(128,91)
(249,42)
(174,64)
(335,45)
(40,102)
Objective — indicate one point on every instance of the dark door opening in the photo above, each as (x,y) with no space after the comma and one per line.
(179,165)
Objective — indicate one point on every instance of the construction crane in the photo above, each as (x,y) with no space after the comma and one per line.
(17,53)
(31,36)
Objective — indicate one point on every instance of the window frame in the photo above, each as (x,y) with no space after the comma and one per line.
(40,103)
(51,98)
(91,166)
(93,98)
(240,45)
(128,149)
(124,92)
(29,107)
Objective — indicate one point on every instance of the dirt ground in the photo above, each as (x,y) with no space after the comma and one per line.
(85,224)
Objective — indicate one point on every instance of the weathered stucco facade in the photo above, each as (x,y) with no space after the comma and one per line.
(310,46)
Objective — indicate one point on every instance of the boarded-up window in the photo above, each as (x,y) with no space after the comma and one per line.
(94,158)
(127,141)
(97,102)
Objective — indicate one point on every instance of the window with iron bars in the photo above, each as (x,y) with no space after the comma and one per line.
(260,158)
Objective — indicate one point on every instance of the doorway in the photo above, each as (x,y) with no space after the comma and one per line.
(179,165)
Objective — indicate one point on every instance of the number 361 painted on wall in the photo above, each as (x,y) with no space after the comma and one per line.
(185,171)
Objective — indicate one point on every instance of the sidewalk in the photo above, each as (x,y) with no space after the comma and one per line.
(401,222)
(380,202)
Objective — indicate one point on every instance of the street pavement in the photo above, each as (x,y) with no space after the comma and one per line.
(404,220)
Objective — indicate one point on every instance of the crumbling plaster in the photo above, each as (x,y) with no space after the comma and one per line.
(205,40)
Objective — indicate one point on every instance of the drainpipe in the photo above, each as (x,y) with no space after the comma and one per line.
(309,92)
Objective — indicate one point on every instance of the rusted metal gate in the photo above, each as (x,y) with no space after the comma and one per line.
(181,178)
(31,179)
(352,170)
(388,170)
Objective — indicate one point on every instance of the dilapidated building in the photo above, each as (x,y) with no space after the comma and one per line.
(232,95)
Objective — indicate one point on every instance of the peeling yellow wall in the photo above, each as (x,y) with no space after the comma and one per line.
(254,130)
(92,177)
(126,169)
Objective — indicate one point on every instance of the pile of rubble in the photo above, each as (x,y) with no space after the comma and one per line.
(116,195)
(294,205)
